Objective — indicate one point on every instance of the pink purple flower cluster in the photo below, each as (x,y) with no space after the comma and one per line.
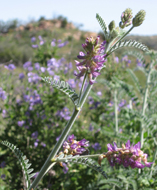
(94,59)
(128,155)
(71,146)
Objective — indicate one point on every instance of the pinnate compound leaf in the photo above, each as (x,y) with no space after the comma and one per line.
(23,162)
(129,43)
(63,87)
(85,161)
(102,23)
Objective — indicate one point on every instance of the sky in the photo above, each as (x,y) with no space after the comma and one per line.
(81,12)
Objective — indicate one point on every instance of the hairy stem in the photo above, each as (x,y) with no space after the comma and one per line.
(116,111)
(62,138)
(145,103)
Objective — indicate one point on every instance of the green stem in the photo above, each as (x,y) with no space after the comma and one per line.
(122,38)
(82,87)
(62,138)
(145,103)
(116,111)
(154,158)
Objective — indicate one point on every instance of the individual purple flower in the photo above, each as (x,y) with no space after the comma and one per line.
(64,113)
(21,76)
(70,138)
(57,138)
(35,143)
(33,77)
(43,144)
(60,45)
(3,164)
(37,66)
(42,42)
(4,113)
(72,83)
(91,128)
(110,104)
(99,93)
(65,168)
(35,46)
(3,94)
(40,38)
(122,103)
(21,123)
(43,69)
(10,67)
(3,176)
(33,39)
(116,59)
(93,61)
(53,43)
(36,175)
(96,146)
(34,135)
(27,64)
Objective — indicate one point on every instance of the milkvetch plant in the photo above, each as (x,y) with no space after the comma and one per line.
(91,65)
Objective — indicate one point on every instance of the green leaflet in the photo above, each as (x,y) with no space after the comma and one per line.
(23,161)
(63,87)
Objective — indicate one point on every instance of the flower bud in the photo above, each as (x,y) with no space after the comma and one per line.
(100,158)
(111,26)
(139,18)
(126,18)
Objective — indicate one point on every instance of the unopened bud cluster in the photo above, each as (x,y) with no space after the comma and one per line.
(126,18)
(128,155)
(73,147)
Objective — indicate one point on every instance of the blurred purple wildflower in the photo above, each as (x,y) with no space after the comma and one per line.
(91,128)
(43,144)
(116,59)
(34,46)
(33,39)
(37,66)
(33,77)
(3,94)
(96,146)
(64,113)
(3,176)
(10,67)
(3,164)
(20,123)
(43,69)
(34,135)
(21,76)
(65,168)
(72,83)
(99,93)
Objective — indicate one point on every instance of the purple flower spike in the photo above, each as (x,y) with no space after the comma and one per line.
(74,147)
(93,60)
(127,155)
